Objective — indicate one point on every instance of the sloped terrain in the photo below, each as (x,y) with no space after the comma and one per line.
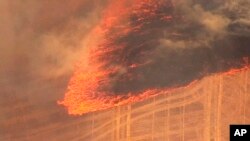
(202,111)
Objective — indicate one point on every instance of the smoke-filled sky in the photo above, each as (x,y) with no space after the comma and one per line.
(147,45)
(126,46)
(167,43)
(40,42)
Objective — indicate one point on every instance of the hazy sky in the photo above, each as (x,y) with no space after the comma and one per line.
(41,41)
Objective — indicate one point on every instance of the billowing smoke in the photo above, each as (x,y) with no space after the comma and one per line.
(149,45)
(44,38)
(40,42)
(176,42)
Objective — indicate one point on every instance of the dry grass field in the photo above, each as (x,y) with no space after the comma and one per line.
(201,112)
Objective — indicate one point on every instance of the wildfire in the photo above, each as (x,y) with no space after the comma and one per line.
(99,84)
(90,88)
(234,71)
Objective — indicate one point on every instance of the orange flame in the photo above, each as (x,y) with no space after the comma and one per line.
(86,89)
(234,71)
(89,88)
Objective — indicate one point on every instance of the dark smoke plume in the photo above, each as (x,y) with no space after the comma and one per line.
(175,42)
(143,48)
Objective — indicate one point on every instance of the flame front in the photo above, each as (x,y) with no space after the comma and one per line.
(90,88)
(125,64)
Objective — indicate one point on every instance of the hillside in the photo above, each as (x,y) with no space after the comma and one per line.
(200,112)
